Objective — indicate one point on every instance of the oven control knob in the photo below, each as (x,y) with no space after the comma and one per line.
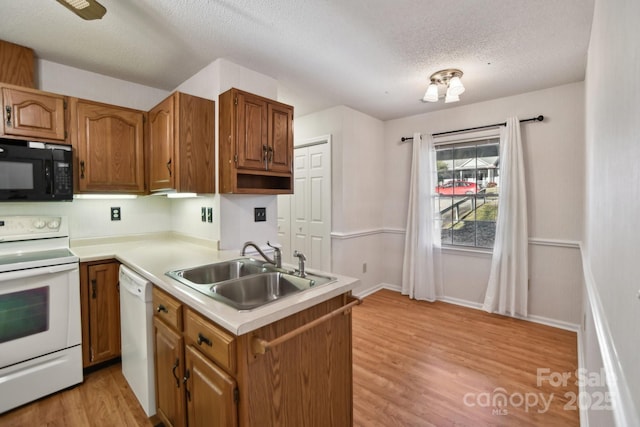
(38,223)
(54,223)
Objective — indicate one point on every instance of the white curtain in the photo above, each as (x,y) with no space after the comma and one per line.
(420,269)
(508,281)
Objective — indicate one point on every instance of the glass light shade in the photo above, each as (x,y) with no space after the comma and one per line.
(78,4)
(431,95)
(451,97)
(455,86)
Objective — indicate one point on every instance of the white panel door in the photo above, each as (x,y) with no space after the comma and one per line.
(319,203)
(300,201)
(309,208)
(284,227)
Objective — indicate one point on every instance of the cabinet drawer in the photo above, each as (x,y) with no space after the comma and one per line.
(211,340)
(167,308)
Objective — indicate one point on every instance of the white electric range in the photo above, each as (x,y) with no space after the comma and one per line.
(40,332)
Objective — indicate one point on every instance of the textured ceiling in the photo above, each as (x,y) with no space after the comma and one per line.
(372,55)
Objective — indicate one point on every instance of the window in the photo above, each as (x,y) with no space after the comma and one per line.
(24,313)
(468,192)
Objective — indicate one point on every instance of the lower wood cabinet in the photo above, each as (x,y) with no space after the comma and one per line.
(211,392)
(206,376)
(169,362)
(100,308)
(191,390)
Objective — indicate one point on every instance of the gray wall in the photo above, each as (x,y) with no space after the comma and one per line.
(611,231)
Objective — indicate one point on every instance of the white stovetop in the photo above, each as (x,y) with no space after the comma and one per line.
(152,256)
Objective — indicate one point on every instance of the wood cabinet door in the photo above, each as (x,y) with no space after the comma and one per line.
(17,65)
(280,142)
(251,141)
(196,144)
(32,114)
(170,396)
(104,312)
(109,141)
(210,393)
(161,145)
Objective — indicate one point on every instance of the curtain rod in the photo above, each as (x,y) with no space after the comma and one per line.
(533,119)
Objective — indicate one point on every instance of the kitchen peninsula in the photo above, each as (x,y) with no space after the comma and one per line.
(232,379)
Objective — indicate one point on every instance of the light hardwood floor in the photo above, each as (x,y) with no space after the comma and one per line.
(414,364)
(104,399)
(437,364)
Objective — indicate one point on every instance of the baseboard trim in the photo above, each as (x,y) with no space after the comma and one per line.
(363,293)
(560,324)
(584,415)
(461,302)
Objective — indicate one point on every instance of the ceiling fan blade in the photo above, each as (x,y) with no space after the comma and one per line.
(85,9)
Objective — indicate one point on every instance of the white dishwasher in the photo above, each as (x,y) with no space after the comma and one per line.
(136,330)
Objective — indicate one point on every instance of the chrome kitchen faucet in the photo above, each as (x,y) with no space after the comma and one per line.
(277,254)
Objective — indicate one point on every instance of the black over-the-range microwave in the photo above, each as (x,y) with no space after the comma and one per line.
(35,171)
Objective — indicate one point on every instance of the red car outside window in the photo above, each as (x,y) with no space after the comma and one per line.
(455,188)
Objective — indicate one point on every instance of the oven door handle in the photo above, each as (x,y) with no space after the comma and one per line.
(33,272)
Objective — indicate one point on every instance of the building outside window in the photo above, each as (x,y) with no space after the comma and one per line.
(467,194)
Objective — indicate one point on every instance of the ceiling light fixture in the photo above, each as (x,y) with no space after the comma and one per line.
(449,78)
(85,9)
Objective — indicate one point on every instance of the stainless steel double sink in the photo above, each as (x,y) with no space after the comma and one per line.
(246,283)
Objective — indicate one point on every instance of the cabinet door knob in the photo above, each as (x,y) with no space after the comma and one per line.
(82,169)
(162,309)
(93,289)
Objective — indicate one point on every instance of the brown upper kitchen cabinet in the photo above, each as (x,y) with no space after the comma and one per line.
(256,144)
(109,147)
(181,138)
(17,65)
(32,114)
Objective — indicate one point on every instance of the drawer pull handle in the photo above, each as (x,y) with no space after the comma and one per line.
(261,346)
(161,308)
(82,169)
(8,110)
(169,167)
(203,339)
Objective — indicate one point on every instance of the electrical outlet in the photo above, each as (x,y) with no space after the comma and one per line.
(203,214)
(115,214)
(259,214)
(209,214)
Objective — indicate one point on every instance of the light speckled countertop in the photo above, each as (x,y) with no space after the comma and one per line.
(151,256)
